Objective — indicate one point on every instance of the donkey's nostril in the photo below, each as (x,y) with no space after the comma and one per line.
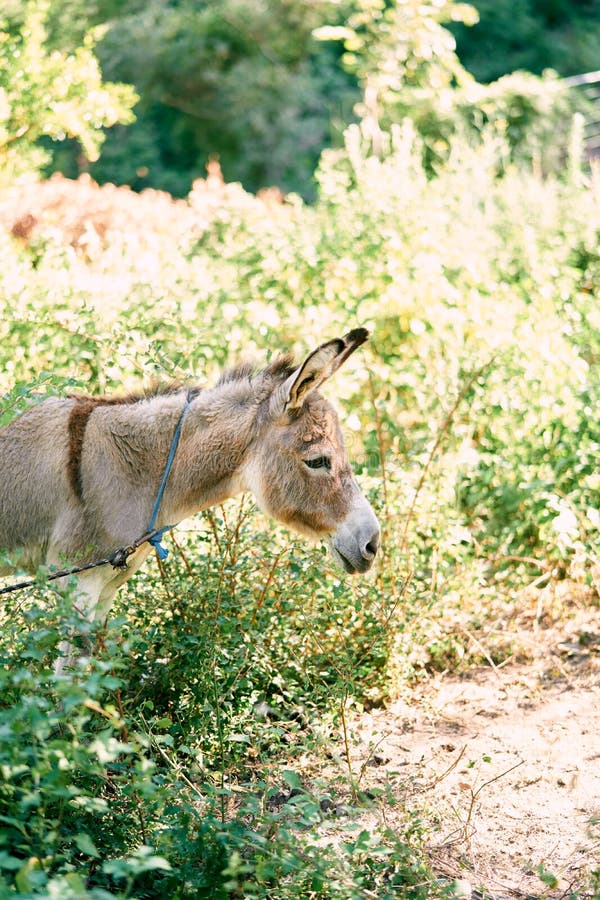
(371,547)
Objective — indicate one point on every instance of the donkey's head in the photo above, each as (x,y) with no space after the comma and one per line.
(299,471)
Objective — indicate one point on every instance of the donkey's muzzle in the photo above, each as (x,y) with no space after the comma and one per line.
(355,549)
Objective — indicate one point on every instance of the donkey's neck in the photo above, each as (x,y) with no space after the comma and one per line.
(216,434)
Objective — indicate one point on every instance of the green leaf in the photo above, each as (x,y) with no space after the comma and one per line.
(292,779)
(9,862)
(86,845)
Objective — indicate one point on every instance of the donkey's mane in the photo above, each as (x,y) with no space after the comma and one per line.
(277,370)
(155,389)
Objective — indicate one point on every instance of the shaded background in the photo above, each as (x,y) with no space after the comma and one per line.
(248,82)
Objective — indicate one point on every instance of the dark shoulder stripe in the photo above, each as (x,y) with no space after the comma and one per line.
(78,420)
(80,414)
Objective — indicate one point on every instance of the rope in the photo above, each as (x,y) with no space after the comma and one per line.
(153,536)
(117,559)
(157,536)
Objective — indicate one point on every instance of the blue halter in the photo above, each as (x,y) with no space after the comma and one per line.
(156,539)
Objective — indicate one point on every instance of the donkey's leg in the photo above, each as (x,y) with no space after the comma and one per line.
(95,596)
(91,600)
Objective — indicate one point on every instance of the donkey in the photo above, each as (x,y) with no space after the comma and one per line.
(81,474)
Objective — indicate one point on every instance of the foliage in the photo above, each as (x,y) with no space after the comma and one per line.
(402,44)
(177,760)
(533,35)
(406,63)
(238,80)
(260,89)
(141,775)
(49,93)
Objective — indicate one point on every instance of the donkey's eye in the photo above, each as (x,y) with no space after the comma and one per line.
(319,462)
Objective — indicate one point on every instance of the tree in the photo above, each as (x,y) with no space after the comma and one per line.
(236,79)
(405,62)
(50,93)
(531,34)
(404,56)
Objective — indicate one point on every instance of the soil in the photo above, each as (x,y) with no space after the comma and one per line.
(502,765)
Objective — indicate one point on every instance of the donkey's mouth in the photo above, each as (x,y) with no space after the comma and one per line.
(352,568)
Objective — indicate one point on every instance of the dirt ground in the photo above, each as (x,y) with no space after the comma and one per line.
(503,765)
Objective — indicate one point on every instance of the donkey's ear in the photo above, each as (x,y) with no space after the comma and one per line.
(316,368)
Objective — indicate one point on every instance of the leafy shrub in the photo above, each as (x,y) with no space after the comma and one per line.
(405,60)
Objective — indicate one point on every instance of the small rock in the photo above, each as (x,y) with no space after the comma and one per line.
(377,760)
(341,810)
(264,711)
(462,889)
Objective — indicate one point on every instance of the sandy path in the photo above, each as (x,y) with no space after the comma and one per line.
(504,765)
